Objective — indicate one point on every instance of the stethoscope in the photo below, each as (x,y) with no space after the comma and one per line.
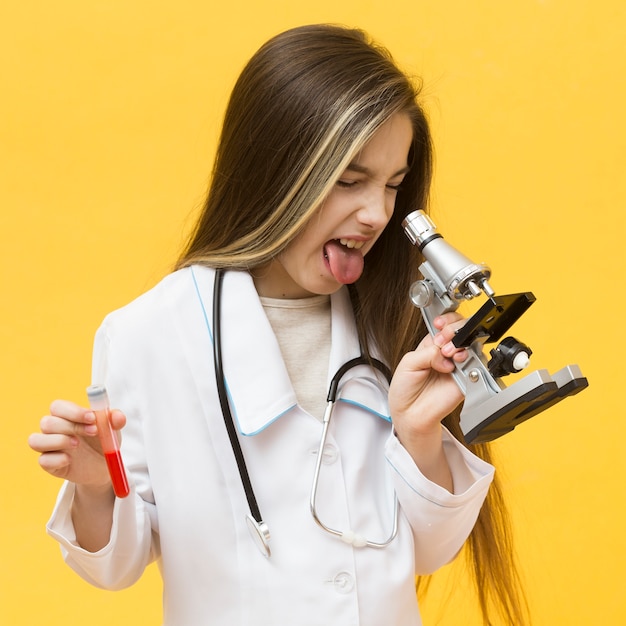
(257,527)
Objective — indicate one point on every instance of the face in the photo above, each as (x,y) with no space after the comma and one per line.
(330,250)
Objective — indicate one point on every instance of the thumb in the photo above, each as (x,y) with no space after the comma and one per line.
(118,419)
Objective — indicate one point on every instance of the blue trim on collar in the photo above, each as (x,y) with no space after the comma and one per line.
(387,418)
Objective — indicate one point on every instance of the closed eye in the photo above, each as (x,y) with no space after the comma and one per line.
(347,184)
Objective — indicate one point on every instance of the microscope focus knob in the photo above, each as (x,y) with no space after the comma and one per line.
(509,357)
(521,361)
(421,294)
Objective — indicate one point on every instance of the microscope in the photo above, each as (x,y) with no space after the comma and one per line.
(491,409)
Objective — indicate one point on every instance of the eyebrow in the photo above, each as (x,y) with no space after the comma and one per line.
(360,169)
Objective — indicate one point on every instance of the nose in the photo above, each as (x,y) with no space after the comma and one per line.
(377,208)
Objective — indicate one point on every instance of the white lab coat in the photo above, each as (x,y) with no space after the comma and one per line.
(187,507)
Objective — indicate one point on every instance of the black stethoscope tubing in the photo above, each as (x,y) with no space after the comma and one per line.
(223,397)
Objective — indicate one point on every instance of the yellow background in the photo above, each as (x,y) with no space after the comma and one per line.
(109,113)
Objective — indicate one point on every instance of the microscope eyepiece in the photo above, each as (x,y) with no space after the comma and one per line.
(463,279)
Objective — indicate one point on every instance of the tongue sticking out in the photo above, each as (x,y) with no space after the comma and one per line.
(346,264)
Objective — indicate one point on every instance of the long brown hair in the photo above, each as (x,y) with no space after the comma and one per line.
(302,108)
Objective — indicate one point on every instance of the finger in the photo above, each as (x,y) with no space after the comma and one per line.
(54,462)
(427,358)
(72,412)
(446,319)
(443,359)
(40,442)
(118,419)
(445,337)
(447,332)
(442,362)
(53,425)
(450,351)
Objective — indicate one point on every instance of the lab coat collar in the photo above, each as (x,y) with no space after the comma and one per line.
(257,381)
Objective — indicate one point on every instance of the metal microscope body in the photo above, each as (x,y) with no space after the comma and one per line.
(491,409)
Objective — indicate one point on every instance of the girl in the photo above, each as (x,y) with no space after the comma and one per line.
(297,265)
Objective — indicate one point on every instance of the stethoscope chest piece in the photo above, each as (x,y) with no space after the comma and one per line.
(260,533)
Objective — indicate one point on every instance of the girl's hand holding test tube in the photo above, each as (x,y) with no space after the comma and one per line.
(99,402)
(73,447)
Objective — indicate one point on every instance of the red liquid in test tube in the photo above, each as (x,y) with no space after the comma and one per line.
(99,403)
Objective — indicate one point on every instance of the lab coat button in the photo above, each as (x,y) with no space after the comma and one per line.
(330,455)
(343,582)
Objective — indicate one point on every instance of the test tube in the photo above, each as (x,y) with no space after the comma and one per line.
(99,403)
